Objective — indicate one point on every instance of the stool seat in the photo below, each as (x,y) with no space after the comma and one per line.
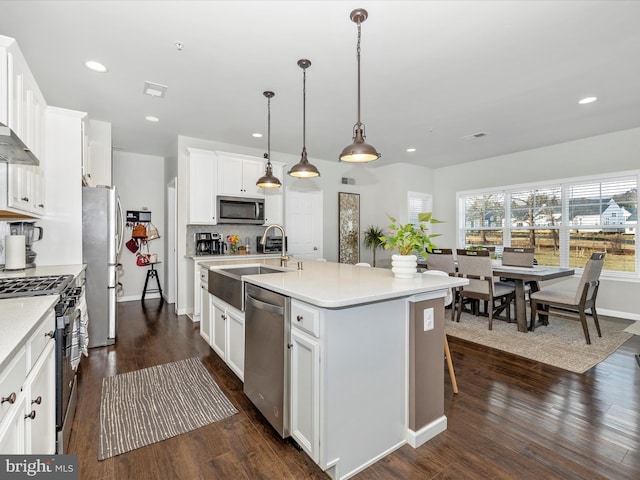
(152,273)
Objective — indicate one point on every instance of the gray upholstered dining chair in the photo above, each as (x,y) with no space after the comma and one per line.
(572,305)
(518,257)
(475,265)
(441,259)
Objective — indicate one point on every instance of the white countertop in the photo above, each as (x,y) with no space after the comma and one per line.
(232,256)
(43,271)
(337,285)
(18,320)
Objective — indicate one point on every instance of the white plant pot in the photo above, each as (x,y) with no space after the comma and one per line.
(404,266)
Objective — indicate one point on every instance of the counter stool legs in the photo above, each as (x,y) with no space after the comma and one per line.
(452,373)
(151,273)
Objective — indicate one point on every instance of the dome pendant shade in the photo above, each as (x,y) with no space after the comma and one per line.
(303,169)
(268,180)
(359,151)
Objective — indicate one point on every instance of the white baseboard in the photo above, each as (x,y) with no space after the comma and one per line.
(415,439)
(617,314)
(132,298)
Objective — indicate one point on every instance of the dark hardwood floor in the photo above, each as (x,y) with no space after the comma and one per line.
(513,418)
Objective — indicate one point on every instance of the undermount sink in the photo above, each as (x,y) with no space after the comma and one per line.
(226,283)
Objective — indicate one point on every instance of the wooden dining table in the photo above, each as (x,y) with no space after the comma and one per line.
(531,275)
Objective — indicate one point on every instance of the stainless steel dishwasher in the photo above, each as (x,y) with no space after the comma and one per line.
(266,358)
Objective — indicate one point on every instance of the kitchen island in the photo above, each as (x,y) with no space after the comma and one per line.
(366,368)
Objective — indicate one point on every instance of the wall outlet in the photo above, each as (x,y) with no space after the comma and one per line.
(428,319)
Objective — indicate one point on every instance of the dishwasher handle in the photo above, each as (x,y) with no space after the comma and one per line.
(260,305)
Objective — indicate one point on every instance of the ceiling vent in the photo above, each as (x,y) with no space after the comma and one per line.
(475,135)
(154,89)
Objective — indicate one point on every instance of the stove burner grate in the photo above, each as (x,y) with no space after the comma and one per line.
(33,286)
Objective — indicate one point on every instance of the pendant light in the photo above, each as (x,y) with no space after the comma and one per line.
(268,180)
(359,151)
(303,169)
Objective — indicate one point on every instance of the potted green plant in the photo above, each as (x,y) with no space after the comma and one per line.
(408,240)
(371,239)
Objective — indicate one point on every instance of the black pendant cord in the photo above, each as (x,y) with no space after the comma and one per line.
(304,110)
(269,132)
(358,58)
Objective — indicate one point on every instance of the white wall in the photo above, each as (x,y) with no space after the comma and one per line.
(612,152)
(140,183)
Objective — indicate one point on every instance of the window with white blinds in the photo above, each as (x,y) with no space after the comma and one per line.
(418,203)
(565,221)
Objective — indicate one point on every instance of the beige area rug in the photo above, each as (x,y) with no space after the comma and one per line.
(152,404)
(634,328)
(561,343)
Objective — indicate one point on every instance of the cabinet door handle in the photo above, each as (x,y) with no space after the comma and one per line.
(299,318)
(49,334)
(11,398)
(25,199)
(289,345)
(37,401)
(31,415)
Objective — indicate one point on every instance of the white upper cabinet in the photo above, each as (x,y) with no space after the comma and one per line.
(201,186)
(22,109)
(238,174)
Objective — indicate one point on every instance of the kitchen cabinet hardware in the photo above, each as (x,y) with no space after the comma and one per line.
(37,401)
(11,398)
(31,415)
(299,318)
(49,334)
(25,199)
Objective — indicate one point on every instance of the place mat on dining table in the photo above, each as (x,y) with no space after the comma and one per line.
(561,343)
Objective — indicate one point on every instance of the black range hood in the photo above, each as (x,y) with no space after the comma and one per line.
(13,150)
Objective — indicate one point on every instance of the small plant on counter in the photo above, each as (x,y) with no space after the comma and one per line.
(371,239)
(410,238)
(233,242)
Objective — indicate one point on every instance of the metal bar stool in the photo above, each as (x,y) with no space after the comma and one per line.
(152,273)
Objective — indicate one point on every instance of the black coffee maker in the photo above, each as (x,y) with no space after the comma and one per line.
(203,244)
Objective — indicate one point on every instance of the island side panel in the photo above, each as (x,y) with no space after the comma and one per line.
(363,385)
(426,364)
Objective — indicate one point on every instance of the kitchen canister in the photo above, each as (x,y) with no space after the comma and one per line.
(14,252)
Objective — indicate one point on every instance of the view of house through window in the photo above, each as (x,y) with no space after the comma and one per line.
(565,221)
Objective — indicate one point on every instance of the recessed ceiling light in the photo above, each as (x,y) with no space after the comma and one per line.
(586,100)
(256,135)
(151,118)
(411,150)
(96,66)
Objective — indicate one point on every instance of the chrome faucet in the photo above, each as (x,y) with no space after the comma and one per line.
(283,255)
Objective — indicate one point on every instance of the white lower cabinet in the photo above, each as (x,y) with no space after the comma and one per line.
(40,408)
(227,334)
(305,395)
(27,415)
(205,317)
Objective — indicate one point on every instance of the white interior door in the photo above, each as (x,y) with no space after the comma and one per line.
(303,219)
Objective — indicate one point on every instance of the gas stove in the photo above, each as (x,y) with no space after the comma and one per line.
(33,286)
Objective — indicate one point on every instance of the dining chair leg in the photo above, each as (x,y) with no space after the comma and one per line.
(459,308)
(585,328)
(452,373)
(534,312)
(595,320)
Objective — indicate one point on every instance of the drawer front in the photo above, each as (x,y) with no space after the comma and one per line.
(40,338)
(305,317)
(204,275)
(11,380)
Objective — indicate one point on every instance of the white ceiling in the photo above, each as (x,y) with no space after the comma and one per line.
(433,72)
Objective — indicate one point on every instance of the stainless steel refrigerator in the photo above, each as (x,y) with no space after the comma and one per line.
(102,231)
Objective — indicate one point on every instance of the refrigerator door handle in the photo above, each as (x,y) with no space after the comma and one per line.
(120,227)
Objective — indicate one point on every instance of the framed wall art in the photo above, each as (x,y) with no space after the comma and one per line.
(348,227)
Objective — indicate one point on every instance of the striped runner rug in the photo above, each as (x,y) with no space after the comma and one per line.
(152,404)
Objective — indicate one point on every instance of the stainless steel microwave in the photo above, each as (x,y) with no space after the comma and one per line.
(240,210)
